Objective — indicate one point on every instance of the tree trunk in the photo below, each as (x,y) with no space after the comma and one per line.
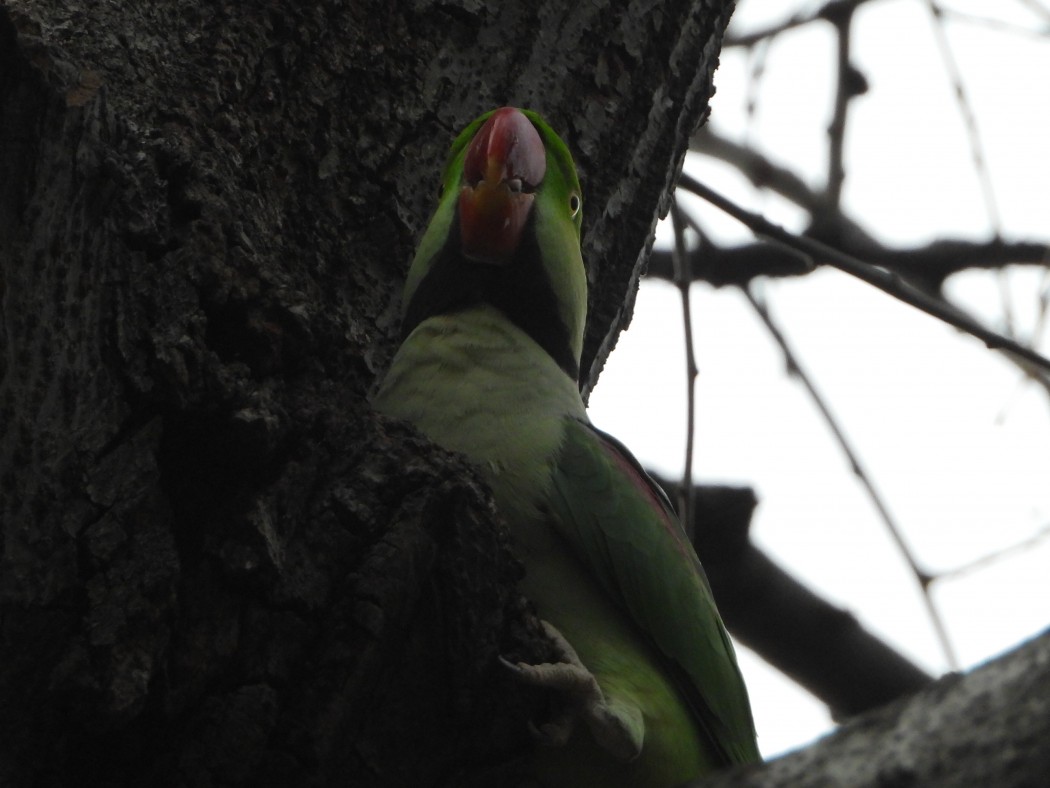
(218,566)
(989,727)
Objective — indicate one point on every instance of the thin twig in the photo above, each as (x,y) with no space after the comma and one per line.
(844,91)
(761,171)
(796,20)
(976,148)
(1044,306)
(991,23)
(993,558)
(683,277)
(922,577)
(887,281)
(756,59)
(925,266)
(928,265)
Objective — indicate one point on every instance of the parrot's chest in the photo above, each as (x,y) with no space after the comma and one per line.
(475,383)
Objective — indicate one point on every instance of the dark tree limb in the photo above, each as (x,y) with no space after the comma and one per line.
(822,647)
(761,171)
(923,578)
(927,266)
(986,727)
(848,84)
(884,279)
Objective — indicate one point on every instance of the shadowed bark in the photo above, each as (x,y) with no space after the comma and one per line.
(218,566)
(987,727)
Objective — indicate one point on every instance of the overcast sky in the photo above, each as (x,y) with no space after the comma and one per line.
(952,435)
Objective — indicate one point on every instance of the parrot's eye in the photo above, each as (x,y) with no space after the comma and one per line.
(574,204)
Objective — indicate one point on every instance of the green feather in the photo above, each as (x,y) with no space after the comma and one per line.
(606,560)
(610,511)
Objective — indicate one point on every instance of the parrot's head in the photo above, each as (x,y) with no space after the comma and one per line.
(504,165)
(506,233)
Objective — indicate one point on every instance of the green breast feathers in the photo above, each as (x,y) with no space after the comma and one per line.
(494,314)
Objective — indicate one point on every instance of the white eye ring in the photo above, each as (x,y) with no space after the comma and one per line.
(574,204)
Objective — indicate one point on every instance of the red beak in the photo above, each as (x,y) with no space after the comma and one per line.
(504,164)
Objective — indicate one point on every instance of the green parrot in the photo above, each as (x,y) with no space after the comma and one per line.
(494,311)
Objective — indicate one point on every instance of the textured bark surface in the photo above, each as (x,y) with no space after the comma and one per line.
(988,727)
(218,567)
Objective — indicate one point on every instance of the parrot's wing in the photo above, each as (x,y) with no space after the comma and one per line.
(622,526)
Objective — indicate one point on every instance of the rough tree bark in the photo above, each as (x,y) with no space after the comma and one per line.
(218,567)
(989,727)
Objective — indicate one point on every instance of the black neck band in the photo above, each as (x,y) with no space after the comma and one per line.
(520,289)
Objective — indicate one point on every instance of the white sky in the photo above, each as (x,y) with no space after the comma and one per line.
(953,437)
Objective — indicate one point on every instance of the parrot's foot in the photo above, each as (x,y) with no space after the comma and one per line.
(617,727)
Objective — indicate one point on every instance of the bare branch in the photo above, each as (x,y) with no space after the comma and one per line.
(1037,376)
(682,280)
(820,646)
(763,173)
(922,577)
(987,727)
(830,9)
(926,266)
(848,84)
(966,110)
(1002,25)
(993,558)
(823,648)
(885,280)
